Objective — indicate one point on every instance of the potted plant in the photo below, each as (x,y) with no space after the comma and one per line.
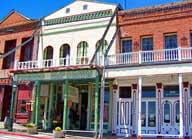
(58,132)
(31,128)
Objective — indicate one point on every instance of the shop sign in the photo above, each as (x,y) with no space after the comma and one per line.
(5,81)
(59,75)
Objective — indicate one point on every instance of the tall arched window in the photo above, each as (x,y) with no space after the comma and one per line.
(82,53)
(64,54)
(167,112)
(82,49)
(48,53)
(103,46)
(177,117)
(64,51)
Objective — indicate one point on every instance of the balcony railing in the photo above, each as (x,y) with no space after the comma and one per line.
(49,63)
(150,57)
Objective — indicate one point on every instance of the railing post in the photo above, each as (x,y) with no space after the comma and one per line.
(179,53)
(67,60)
(15,65)
(140,57)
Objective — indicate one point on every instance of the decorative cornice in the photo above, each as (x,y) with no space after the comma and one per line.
(178,6)
(80,17)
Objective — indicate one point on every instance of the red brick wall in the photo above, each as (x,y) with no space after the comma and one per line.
(23,28)
(156,23)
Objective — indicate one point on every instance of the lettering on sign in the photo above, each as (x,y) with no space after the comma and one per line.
(60,75)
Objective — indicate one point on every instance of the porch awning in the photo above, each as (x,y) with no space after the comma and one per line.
(23,93)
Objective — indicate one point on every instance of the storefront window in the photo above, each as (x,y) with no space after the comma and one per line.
(167,112)
(191,112)
(143,116)
(191,91)
(106,104)
(148,92)
(171,91)
(177,117)
(151,114)
(22,106)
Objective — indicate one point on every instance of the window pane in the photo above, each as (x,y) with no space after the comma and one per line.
(126,46)
(106,104)
(171,91)
(151,114)
(177,117)
(147,44)
(143,115)
(125,92)
(148,92)
(191,113)
(170,41)
(191,91)
(166,112)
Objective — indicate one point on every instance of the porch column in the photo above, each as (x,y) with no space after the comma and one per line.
(12,108)
(96,105)
(89,105)
(50,110)
(139,105)
(181,105)
(65,89)
(37,102)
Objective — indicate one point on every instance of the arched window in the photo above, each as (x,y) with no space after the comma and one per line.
(64,51)
(177,117)
(64,54)
(103,46)
(48,53)
(82,49)
(167,112)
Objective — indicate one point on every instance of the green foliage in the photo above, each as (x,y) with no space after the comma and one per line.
(30,125)
(58,129)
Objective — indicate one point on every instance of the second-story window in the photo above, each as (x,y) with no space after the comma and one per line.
(147,43)
(126,45)
(103,46)
(170,41)
(82,49)
(82,53)
(8,62)
(26,51)
(191,39)
(48,53)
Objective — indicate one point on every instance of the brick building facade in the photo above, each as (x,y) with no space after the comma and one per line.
(152,69)
(15,29)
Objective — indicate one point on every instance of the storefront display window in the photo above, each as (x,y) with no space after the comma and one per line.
(106,104)
(177,117)
(143,116)
(152,114)
(167,112)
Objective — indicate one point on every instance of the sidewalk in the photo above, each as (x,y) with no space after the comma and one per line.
(19,130)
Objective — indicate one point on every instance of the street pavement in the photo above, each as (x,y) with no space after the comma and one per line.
(12,137)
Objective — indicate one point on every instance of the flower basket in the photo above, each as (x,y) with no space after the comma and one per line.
(31,129)
(58,133)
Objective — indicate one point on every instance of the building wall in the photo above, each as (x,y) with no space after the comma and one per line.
(156,21)
(73,33)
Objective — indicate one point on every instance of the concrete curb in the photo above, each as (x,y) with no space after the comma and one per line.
(23,135)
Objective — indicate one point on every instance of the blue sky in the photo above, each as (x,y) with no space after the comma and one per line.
(36,9)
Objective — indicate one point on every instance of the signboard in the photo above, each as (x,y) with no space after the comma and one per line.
(57,75)
(5,81)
